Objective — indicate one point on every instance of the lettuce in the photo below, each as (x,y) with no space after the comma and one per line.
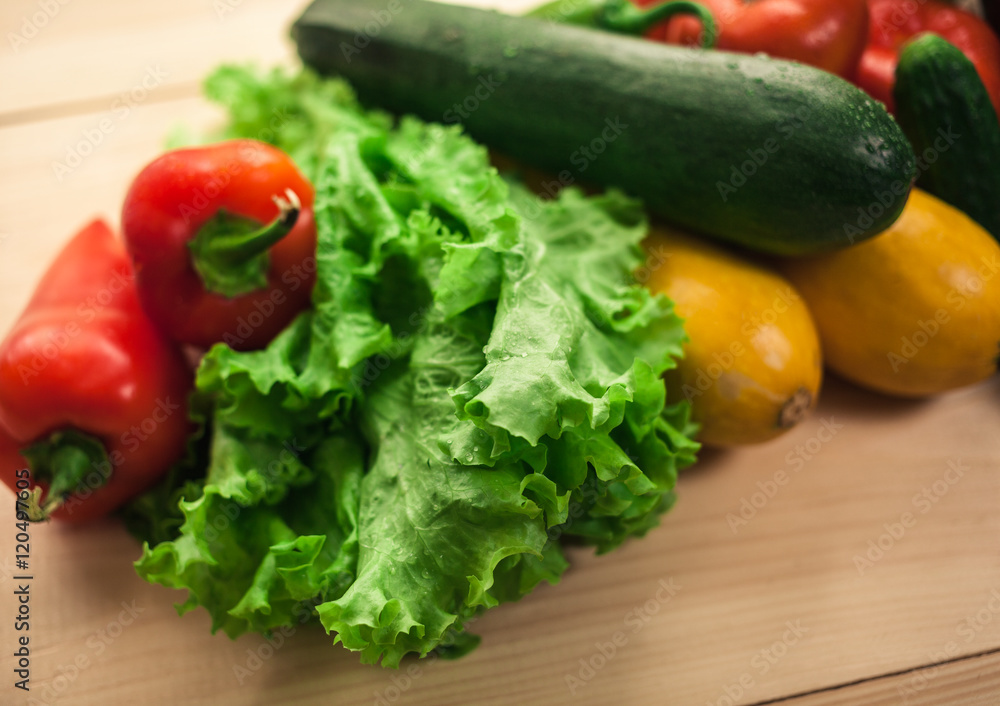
(478,378)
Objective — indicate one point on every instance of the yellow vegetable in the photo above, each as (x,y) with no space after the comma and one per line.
(752,366)
(915,310)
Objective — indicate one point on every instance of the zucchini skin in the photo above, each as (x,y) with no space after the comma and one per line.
(946,112)
(772,155)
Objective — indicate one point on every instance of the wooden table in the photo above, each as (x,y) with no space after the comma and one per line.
(776,606)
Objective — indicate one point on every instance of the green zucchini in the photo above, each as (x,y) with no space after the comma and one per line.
(944,109)
(772,155)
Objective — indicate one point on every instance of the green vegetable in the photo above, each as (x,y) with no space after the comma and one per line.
(946,112)
(775,156)
(624,16)
(478,377)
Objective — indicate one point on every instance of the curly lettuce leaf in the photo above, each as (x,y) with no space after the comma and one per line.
(432,532)
(478,377)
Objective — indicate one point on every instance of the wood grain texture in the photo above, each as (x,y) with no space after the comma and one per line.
(81,52)
(972,681)
(41,206)
(776,605)
(59,56)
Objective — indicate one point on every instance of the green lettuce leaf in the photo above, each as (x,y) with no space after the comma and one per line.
(479,376)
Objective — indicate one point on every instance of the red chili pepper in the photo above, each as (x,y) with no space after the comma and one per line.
(207,269)
(89,387)
(828,34)
(894,22)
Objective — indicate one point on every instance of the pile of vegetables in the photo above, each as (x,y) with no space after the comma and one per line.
(687,131)
(477,378)
(353,373)
(774,156)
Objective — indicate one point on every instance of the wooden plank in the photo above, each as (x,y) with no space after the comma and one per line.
(80,52)
(70,56)
(965,682)
(45,195)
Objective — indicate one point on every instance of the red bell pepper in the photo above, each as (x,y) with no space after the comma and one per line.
(828,34)
(207,267)
(894,22)
(93,399)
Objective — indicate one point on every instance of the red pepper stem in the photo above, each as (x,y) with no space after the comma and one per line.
(68,461)
(240,247)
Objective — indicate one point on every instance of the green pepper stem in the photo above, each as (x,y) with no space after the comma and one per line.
(240,247)
(230,252)
(623,17)
(69,461)
(39,511)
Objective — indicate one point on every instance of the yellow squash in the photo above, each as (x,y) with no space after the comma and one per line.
(752,366)
(915,310)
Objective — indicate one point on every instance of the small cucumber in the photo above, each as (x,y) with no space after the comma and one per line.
(776,156)
(944,109)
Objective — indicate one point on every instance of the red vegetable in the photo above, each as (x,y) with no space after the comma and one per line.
(894,22)
(207,269)
(829,34)
(89,387)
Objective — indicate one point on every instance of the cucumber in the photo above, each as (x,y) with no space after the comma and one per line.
(776,156)
(944,109)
